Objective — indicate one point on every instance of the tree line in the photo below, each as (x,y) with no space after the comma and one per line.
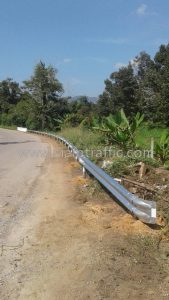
(38,103)
(142,85)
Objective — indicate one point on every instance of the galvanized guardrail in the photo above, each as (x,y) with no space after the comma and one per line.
(142,209)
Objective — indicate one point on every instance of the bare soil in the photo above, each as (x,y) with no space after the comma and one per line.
(157,179)
(73,241)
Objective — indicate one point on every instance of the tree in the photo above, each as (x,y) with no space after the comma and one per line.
(10,94)
(148,96)
(142,64)
(45,89)
(142,86)
(120,93)
(126,87)
(162,65)
(107,103)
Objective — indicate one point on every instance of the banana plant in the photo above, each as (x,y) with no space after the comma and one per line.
(162,147)
(118,129)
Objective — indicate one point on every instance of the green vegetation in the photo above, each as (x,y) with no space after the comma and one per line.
(141,86)
(133,108)
(119,129)
(83,139)
(145,132)
(117,132)
(162,147)
(8,127)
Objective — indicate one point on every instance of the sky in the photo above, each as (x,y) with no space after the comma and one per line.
(85,40)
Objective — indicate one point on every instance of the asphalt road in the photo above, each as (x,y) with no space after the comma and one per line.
(21,158)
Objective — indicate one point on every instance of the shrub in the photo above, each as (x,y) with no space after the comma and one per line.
(162,147)
(118,129)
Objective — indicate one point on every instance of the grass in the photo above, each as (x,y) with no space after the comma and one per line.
(85,139)
(145,133)
(82,138)
(92,143)
(12,127)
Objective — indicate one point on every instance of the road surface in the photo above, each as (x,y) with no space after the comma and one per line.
(61,238)
(21,157)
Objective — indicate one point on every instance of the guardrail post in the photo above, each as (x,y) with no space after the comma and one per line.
(84,172)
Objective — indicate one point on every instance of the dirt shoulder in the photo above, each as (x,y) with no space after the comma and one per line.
(74,242)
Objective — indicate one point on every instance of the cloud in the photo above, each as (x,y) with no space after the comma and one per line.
(75,81)
(141,10)
(159,42)
(115,41)
(134,63)
(99,60)
(71,84)
(64,61)
(67,60)
(119,65)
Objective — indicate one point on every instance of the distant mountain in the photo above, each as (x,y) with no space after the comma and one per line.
(90,99)
(93,99)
